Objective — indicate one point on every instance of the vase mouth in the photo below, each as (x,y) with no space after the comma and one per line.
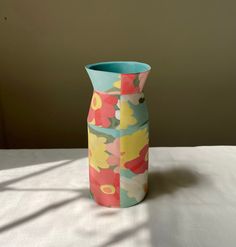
(120,67)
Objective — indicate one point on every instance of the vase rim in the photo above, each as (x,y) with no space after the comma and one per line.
(120,67)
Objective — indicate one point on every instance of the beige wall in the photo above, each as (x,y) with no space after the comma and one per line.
(45,92)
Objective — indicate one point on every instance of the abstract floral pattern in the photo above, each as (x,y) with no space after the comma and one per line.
(139,164)
(103,109)
(127,115)
(97,151)
(130,83)
(136,186)
(106,110)
(105,187)
(113,155)
(118,138)
(134,146)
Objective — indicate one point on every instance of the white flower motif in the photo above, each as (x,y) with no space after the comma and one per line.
(117,114)
(118,103)
(135,186)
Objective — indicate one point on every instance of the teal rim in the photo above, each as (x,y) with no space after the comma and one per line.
(120,67)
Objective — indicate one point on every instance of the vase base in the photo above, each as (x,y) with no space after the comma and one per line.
(122,205)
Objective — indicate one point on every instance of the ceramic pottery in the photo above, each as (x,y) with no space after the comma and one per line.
(118,133)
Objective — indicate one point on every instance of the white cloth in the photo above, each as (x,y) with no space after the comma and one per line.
(44,201)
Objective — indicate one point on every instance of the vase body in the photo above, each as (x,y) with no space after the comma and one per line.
(118,133)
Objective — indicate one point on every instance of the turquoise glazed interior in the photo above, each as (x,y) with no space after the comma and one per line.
(120,67)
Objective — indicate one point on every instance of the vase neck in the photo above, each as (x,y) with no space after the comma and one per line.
(115,83)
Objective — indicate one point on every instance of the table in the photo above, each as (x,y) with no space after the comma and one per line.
(44,201)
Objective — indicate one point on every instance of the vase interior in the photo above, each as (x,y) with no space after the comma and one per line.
(120,67)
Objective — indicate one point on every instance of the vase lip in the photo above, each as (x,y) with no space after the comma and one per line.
(119,67)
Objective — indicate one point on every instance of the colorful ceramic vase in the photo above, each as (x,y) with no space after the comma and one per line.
(118,133)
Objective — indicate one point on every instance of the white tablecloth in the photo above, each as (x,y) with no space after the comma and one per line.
(44,201)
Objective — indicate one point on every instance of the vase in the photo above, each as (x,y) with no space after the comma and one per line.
(118,133)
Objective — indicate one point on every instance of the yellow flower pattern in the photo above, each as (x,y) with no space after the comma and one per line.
(126,114)
(97,151)
(132,144)
(117,84)
(96,102)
